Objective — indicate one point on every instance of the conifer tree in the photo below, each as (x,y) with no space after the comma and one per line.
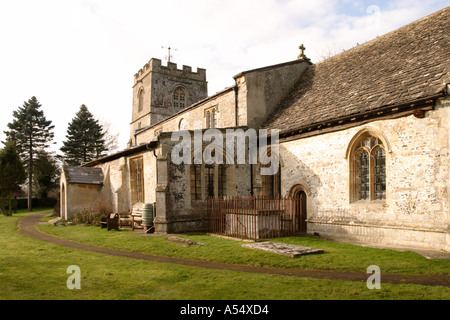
(12,175)
(46,174)
(85,139)
(31,132)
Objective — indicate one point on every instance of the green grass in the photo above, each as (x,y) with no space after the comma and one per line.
(31,269)
(336,256)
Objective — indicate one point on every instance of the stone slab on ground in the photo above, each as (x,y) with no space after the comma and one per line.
(288,250)
(184,242)
(55,221)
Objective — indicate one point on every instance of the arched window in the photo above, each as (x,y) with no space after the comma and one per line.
(179,98)
(368,169)
(211,118)
(141,100)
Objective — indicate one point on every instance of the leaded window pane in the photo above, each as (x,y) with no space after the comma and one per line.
(210,180)
(222,181)
(196,182)
(137,180)
(380,174)
(364,175)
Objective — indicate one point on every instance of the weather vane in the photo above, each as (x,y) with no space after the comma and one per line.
(169,56)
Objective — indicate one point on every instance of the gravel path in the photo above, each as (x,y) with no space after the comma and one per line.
(27,226)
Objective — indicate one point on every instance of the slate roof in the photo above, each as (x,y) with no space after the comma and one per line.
(83,175)
(404,65)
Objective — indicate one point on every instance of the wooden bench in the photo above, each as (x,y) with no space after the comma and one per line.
(125,220)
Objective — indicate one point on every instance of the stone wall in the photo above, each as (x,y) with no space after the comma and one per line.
(79,197)
(416,209)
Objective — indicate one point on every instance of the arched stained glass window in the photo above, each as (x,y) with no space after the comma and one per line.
(368,169)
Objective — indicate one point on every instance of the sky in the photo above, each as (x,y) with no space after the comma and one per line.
(73,52)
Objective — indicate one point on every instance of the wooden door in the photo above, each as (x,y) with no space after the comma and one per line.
(301,212)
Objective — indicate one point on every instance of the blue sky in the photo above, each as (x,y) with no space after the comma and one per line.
(73,52)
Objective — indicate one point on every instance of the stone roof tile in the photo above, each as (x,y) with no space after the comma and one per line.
(84,175)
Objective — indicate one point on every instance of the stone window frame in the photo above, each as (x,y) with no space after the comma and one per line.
(177,101)
(354,150)
(210,115)
(217,172)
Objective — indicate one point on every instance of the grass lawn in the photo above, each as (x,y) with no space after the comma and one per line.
(336,256)
(31,269)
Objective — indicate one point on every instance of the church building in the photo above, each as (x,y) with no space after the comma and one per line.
(362,137)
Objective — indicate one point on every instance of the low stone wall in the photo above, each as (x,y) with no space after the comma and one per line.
(391,235)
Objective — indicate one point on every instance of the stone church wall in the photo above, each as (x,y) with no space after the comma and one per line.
(416,209)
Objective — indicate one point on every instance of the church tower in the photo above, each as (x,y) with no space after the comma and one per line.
(161,91)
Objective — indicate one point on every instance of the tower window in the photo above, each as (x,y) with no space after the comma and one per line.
(179,98)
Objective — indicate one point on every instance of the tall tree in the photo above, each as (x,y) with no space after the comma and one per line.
(85,139)
(31,132)
(12,175)
(46,174)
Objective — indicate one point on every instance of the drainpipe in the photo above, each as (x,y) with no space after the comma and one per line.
(251,179)
(236,89)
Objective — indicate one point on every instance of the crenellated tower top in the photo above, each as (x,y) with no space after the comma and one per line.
(155,65)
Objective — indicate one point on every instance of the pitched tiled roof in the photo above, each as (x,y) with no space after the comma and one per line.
(83,175)
(405,65)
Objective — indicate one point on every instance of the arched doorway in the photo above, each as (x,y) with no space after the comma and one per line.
(300,195)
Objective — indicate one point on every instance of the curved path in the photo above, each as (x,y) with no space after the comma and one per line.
(27,226)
